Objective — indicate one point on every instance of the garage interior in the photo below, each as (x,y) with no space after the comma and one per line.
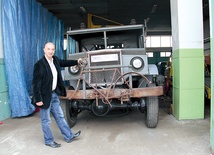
(23,135)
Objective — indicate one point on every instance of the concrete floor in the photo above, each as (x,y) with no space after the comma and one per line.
(125,135)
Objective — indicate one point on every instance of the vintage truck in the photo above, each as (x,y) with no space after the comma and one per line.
(115,73)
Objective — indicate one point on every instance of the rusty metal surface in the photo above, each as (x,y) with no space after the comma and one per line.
(108,94)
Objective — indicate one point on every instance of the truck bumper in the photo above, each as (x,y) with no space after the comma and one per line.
(108,94)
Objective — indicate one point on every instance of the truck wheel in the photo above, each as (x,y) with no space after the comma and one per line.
(70,113)
(152,111)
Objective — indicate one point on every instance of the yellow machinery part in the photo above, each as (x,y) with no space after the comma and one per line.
(208,90)
(91,25)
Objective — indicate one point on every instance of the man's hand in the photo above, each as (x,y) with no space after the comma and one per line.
(39,103)
(82,62)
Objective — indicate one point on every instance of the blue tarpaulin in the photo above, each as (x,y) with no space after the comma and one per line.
(26,27)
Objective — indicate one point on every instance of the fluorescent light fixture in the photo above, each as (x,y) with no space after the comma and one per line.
(154,8)
(83,9)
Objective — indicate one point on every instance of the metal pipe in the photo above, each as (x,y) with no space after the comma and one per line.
(105,39)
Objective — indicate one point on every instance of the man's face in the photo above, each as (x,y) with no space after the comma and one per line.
(49,50)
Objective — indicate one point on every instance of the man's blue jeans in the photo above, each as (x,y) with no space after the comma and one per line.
(56,110)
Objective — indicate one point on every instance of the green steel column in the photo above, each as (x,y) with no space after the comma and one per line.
(211,8)
(188,59)
(4,99)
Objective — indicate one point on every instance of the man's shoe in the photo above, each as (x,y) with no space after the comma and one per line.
(53,145)
(75,136)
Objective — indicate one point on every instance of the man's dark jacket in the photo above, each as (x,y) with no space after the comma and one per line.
(43,79)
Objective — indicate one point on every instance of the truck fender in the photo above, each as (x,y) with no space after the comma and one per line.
(153,70)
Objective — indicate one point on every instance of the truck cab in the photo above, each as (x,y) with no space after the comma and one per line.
(115,73)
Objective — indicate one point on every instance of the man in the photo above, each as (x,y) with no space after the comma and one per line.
(47,85)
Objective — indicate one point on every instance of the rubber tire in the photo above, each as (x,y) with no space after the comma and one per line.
(71,118)
(152,111)
(65,104)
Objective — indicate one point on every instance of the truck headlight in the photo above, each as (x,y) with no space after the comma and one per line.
(74,69)
(137,62)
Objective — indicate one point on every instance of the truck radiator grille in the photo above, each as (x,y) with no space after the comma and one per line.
(102,70)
